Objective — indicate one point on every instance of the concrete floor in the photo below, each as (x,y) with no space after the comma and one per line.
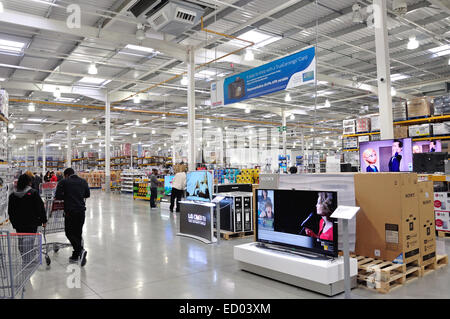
(134,253)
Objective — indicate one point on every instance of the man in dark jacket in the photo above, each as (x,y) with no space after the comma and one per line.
(74,191)
(37,181)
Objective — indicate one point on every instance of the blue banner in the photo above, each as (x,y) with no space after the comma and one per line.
(288,72)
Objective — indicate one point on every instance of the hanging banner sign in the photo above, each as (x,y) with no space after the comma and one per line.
(285,73)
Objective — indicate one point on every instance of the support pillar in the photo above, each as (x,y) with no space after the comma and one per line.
(44,153)
(191,109)
(383,69)
(69,145)
(107,144)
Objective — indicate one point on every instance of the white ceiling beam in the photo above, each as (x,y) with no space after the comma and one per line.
(119,39)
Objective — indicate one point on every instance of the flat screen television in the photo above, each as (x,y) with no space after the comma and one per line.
(168,184)
(199,186)
(427,146)
(298,220)
(386,155)
(430,162)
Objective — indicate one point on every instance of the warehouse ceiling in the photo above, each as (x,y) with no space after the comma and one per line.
(46,55)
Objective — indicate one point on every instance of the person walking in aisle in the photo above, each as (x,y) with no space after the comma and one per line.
(26,212)
(37,181)
(74,191)
(153,188)
(178,186)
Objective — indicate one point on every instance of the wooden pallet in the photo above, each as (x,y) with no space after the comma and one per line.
(228,235)
(443,234)
(441,261)
(428,266)
(383,276)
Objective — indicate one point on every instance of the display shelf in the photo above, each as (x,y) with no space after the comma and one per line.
(424,120)
(351,150)
(79,159)
(429,138)
(435,178)
(360,134)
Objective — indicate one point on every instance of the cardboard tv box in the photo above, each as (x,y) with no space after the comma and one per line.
(427,226)
(387,226)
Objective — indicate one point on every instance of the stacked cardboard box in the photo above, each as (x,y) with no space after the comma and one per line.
(387,226)
(442,211)
(363,125)
(419,107)
(349,126)
(400,131)
(420,130)
(350,143)
(441,128)
(399,111)
(442,105)
(427,233)
(375,123)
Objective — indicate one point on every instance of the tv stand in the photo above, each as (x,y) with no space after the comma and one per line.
(321,275)
(305,254)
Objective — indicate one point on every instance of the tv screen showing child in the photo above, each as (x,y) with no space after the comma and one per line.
(168,184)
(386,156)
(427,146)
(199,186)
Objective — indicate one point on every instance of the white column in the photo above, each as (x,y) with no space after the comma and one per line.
(35,155)
(107,144)
(69,145)
(383,69)
(44,153)
(283,124)
(191,108)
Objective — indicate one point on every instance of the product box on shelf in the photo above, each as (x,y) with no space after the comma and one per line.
(388,222)
(427,234)
(441,128)
(442,105)
(363,125)
(350,142)
(349,126)
(442,211)
(363,138)
(399,111)
(419,107)
(420,130)
(375,123)
(400,131)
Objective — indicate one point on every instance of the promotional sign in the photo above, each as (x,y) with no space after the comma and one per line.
(288,72)
(195,220)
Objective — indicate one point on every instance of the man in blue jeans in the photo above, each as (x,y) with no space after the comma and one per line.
(74,191)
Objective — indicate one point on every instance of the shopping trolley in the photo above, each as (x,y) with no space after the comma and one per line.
(55,219)
(20,257)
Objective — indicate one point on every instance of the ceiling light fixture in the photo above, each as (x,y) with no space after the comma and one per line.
(208,121)
(134,135)
(249,56)
(140,32)
(184,80)
(287,98)
(153,131)
(247,111)
(136,99)
(292,117)
(57,93)
(327,103)
(2,9)
(84,120)
(412,43)
(31,107)
(11,125)
(99,133)
(90,146)
(357,15)
(92,69)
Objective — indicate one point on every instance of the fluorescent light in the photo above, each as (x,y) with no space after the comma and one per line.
(57,93)
(35,120)
(31,107)
(140,48)
(84,120)
(153,131)
(134,135)
(292,117)
(287,98)
(99,133)
(90,80)
(184,81)
(137,122)
(398,77)
(2,79)
(136,99)
(412,43)
(92,69)
(260,39)
(8,46)
(441,51)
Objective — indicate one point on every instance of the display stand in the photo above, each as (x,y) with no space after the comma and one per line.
(345,213)
(196,221)
(317,274)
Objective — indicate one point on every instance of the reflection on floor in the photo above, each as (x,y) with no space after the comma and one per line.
(133,252)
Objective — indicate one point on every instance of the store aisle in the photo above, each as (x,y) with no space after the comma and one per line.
(134,253)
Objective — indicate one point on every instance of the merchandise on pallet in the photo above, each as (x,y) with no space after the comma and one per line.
(375,123)
(400,131)
(427,232)
(420,130)
(441,105)
(363,125)
(419,107)
(441,128)
(399,111)
(350,143)
(442,211)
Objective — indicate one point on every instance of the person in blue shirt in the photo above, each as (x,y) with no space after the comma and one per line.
(394,162)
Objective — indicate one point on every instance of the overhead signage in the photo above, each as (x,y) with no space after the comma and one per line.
(285,73)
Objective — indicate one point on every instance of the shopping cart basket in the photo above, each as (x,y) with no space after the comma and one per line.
(55,220)
(20,257)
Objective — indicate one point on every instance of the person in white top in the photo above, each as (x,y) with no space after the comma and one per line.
(178,186)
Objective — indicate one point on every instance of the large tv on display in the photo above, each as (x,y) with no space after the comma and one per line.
(199,186)
(426,146)
(298,220)
(168,184)
(386,155)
